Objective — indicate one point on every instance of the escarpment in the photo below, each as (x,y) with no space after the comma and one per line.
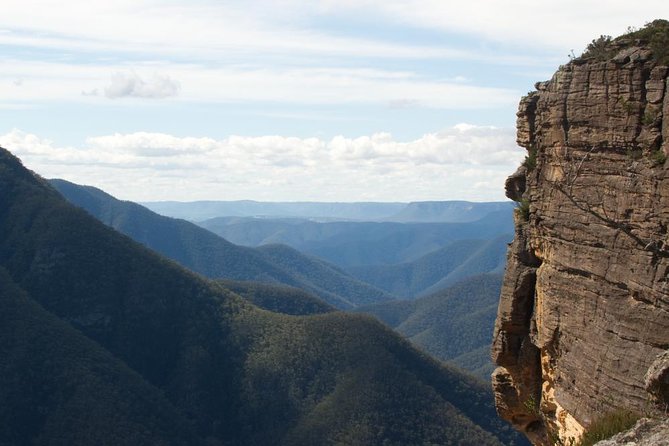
(583,320)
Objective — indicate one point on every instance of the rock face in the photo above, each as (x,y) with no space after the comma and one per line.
(584,309)
(645,433)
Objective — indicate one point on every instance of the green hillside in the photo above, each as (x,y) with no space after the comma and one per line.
(214,257)
(278,298)
(439,269)
(455,324)
(327,276)
(194,351)
(59,387)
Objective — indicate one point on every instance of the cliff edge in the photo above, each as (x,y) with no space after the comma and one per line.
(583,321)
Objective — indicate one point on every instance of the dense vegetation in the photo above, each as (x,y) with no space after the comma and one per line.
(455,325)
(210,255)
(104,342)
(278,298)
(439,269)
(354,291)
(59,387)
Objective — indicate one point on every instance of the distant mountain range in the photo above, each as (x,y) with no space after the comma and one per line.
(415,212)
(465,270)
(367,254)
(214,257)
(352,244)
(103,341)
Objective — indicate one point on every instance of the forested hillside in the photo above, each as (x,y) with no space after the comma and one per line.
(439,269)
(455,324)
(278,298)
(214,257)
(153,354)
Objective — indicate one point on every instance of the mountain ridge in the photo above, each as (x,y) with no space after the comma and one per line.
(353,244)
(454,325)
(439,269)
(213,256)
(236,373)
(417,212)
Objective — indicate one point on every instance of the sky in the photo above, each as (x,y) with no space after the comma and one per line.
(284,100)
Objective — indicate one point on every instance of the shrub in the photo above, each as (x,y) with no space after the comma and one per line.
(599,49)
(609,425)
(530,161)
(523,209)
(654,34)
(649,117)
(658,157)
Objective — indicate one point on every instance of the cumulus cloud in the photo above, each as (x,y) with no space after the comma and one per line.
(129,84)
(461,162)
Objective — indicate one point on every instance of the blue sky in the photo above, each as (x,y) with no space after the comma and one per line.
(284,100)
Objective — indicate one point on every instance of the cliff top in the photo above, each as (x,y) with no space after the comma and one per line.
(654,36)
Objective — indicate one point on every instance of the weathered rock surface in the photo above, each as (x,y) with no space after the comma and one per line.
(646,432)
(584,310)
(657,380)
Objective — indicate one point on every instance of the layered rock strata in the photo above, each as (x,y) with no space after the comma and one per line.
(584,310)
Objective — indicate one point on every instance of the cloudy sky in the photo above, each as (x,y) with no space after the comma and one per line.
(284,100)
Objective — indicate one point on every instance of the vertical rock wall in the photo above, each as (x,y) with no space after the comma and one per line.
(584,310)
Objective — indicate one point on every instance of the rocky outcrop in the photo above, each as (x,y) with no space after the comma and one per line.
(584,310)
(646,432)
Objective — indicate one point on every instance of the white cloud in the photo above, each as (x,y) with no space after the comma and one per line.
(129,85)
(52,81)
(463,162)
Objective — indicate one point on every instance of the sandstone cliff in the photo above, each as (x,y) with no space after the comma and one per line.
(584,310)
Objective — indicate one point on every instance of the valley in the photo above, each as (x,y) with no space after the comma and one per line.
(446,297)
(192,361)
(399,223)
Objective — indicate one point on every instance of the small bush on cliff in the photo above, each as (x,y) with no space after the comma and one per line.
(523,209)
(609,425)
(530,161)
(532,406)
(649,117)
(656,35)
(599,49)
(658,157)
